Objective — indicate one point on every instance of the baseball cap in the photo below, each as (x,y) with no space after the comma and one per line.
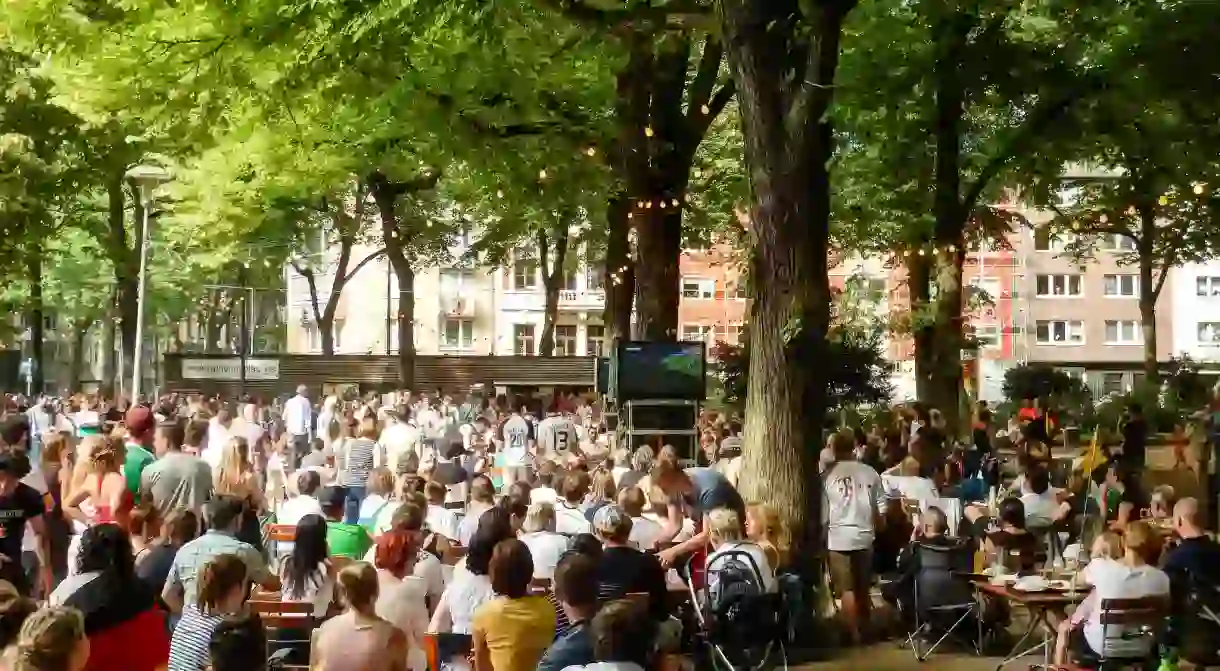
(610,520)
(140,420)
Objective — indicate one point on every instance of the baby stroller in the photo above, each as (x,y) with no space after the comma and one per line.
(737,625)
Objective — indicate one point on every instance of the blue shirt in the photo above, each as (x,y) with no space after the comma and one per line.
(575,648)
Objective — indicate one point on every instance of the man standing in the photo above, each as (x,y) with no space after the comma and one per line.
(298,418)
(19,504)
(176,480)
(556,435)
(140,426)
(517,438)
(850,510)
(397,440)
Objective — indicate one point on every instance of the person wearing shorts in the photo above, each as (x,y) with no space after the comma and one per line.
(851,507)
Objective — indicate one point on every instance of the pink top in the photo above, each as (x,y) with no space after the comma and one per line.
(345,644)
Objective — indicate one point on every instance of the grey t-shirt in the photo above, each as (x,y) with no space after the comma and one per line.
(178,480)
(712,490)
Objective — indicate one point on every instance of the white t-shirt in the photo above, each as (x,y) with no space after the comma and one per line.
(1040,506)
(291,512)
(556,435)
(570,520)
(1114,580)
(917,488)
(546,548)
(443,521)
(470,523)
(398,440)
(851,493)
(644,533)
(516,441)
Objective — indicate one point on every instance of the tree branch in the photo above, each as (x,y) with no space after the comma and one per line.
(355,269)
(678,13)
(705,78)
(714,107)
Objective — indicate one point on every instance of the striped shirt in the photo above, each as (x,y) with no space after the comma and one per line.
(359,462)
(188,649)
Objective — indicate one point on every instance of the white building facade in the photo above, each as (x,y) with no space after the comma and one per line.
(1195,304)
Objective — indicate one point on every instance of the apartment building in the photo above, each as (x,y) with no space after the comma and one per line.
(1194,300)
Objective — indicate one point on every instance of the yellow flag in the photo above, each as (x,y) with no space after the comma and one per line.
(1093,458)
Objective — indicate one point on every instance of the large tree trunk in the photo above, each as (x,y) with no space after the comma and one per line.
(788,144)
(1149,291)
(80,332)
(619,273)
(37,317)
(949,233)
(923,330)
(552,277)
(406,319)
(126,265)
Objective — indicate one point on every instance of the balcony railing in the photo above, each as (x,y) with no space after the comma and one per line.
(579,299)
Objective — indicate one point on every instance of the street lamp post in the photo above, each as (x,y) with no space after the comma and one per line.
(147,178)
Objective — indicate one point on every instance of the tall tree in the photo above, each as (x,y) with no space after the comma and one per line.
(784,57)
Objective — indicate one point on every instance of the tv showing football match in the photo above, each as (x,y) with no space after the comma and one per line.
(660,370)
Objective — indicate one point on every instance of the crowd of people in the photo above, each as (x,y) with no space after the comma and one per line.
(511,536)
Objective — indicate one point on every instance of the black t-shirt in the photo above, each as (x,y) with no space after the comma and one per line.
(1135,439)
(22,504)
(622,571)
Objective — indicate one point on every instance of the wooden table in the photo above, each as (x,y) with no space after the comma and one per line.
(1039,605)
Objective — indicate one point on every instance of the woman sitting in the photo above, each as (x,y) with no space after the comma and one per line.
(125,626)
(307,573)
(1006,533)
(236,477)
(512,632)
(380,488)
(401,596)
(470,586)
(1133,577)
(359,639)
(52,639)
(222,593)
(764,527)
(728,545)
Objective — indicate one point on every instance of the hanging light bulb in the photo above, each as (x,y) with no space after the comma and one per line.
(1103,219)
(706,110)
(1198,189)
(675,202)
(591,151)
(1163,200)
(500,194)
(542,174)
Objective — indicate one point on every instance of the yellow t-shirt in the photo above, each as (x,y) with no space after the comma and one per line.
(517,631)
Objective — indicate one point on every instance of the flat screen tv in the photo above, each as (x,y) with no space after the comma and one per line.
(660,370)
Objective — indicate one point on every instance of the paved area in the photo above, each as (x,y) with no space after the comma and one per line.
(890,657)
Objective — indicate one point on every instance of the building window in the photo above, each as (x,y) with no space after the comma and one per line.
(695,332)
(523,339)
(565,341)
(1125,286)
(458,334)
(735,331)
(1207,286)
(1045,241)
(1060,332)
(595,341)
(1117,243)
(594,279)
(1209,333)
(569,280)
(694,287)
(1111,383)
(988,337)
(525,275)
(456,281)
(313,337)
(1058,286)
(741,288)
(1123,332)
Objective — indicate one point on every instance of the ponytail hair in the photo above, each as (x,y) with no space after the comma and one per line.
(48,639)
(218,578)
(667,471)
(358,586)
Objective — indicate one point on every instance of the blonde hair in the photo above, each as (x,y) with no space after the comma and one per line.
(358,586)
(48,639)
(1107,546)
(773,537)
(381,481)
(724,525)
(234,463)
(105,453)
(539,517)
